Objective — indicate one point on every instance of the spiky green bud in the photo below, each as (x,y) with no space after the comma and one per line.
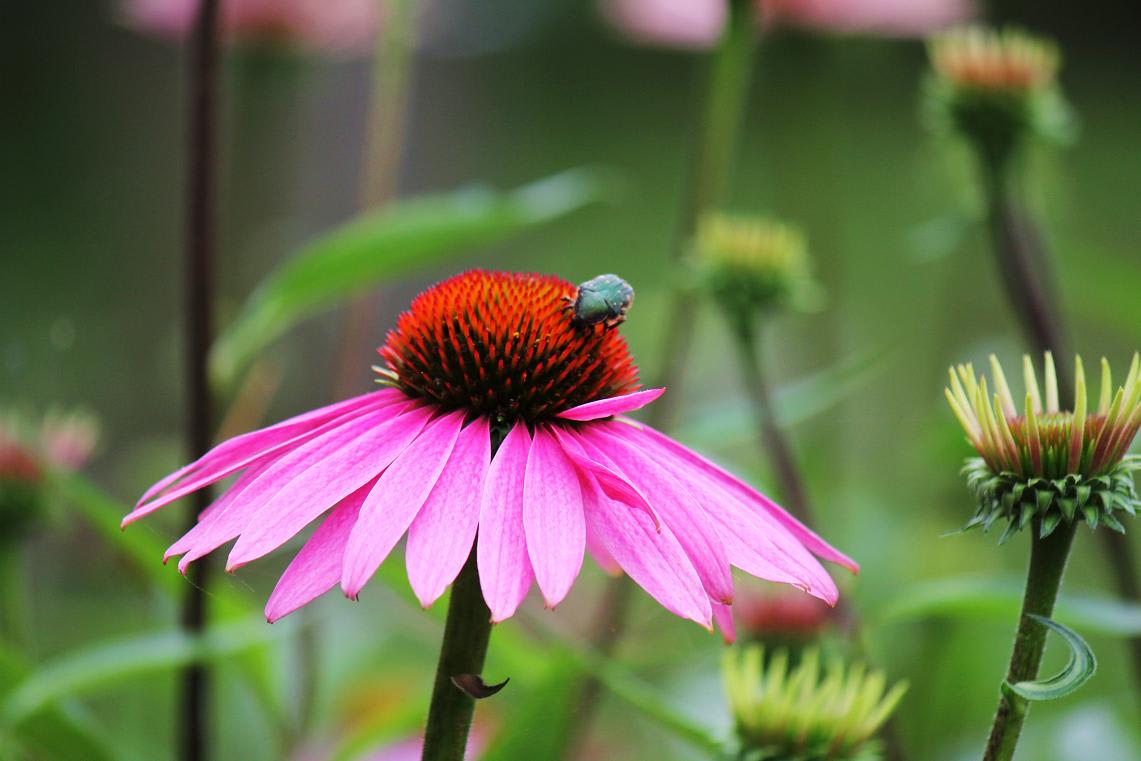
(1038,461)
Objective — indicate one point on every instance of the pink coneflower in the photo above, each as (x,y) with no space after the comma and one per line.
(502,418)
(698,23)
(339,26)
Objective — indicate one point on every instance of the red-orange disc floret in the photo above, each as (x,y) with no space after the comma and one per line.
(502,344)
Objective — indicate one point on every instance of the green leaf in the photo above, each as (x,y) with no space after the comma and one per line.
(978,597)
(387,243)
(57,731)
(1077,672)
(95,665)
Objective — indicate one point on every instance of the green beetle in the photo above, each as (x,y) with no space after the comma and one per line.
(604,299)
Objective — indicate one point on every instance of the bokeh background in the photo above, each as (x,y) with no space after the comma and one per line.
(504,92)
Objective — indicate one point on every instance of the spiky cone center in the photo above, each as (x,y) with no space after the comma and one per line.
(504,345)
(1038,461)
(812,711)
(751,263)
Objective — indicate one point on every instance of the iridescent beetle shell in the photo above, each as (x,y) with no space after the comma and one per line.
(603,299)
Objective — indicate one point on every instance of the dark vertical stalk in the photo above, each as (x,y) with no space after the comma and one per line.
(200,235)
(716,133)
(1025,272)
(1043,580)
(466,636)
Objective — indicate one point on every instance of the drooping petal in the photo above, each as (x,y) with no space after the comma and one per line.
(501,550)
(752,497)
(552,517)
(653,559)
(235,454)
(327,481)
(441,536)
(316,568)
(754,540)
(615,405)
(669,497)
(230,519)
(723,615)
(396,499)
(613,484)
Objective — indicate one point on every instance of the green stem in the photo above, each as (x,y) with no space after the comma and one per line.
(720,119)
(1047,564)
(466,634)
(384,139)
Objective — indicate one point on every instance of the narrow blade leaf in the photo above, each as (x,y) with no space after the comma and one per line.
(1077,672)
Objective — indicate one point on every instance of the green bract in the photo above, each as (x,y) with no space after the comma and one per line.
(808,712)
(1046,463)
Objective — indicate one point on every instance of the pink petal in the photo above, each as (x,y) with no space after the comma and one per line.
(723,615)
(396,499)
(754,541)
(552,517)
(341,470)
(225,459)
(679,508)
(613,484)
(317,567)
(654,560)
(272,436)
(754,498)
(231,519)
(596,548)
(615,405)
(501,551)
(441,535)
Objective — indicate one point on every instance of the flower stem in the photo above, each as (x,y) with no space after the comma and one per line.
(1047,564)
(384,138)
(12,599)
(719,119)
(466,635)
(200,237)
(1025,271)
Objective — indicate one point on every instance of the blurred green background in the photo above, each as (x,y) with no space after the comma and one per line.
(91,145)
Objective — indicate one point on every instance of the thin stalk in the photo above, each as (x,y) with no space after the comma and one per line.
(384,139)
(466,635)
(200,236)
(1047,564)
(1024,268)
(716,136)
(719,119)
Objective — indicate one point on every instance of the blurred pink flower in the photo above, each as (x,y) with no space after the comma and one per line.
(483,354)
(338,26)
(698,23)
(65,440)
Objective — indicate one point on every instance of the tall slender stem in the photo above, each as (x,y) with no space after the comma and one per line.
(384,138)
(200,236)
(716,131)
(12,619)
(1022,262)
(466,636)
(1047,564)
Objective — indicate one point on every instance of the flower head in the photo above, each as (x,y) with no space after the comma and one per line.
(699,23)
(489,356)
(806,711)
(1040,462)
(337,26)
(995,87)
(62,441)
(751,265)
